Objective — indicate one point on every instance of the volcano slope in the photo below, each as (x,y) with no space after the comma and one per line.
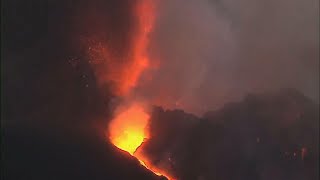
(265,136)
(28,154)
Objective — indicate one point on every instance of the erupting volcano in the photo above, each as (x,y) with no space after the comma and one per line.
(160,90)
(128,130)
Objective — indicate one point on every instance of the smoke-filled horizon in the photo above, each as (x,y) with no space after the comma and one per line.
(213,52)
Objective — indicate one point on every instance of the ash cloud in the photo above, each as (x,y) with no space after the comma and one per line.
(213,52)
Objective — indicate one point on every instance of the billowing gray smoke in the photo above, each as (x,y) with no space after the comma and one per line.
(213,52)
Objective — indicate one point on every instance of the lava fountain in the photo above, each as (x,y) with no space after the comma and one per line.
(129,127)
(128,130)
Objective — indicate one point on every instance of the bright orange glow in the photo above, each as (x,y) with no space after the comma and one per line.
(128,129)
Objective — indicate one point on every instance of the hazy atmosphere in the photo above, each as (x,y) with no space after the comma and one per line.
(213,52)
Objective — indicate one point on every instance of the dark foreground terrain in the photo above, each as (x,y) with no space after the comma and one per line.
(265,136)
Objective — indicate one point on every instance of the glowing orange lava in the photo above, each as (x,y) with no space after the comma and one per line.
(144,161)
(128,130)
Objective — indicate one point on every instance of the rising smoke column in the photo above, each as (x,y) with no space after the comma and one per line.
(122,69)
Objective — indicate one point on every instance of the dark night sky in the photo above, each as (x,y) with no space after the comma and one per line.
(40,42)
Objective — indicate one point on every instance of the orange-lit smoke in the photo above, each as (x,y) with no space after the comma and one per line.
(123,71)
